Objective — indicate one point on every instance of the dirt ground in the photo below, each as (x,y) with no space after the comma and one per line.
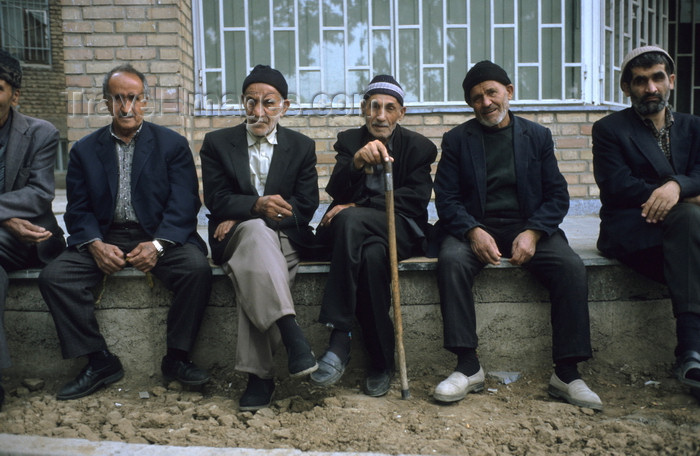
(520,418)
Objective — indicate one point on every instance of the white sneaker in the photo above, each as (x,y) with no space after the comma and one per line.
(576,393)
(457,385)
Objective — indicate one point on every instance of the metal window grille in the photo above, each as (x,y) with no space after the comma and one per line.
(556,51)
(25,30)
(684,35)
(628,24)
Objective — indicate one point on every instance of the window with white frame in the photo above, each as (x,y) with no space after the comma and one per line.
(24,30)
(555,51)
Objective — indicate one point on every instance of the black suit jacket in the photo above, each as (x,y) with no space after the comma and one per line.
(460,181)
(413,155)
(629,165)
(164,186)
(229,193)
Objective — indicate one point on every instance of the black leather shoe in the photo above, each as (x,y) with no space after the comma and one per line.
(90,379)
(301,360)
(257,395)
(378,383)
(330,369)
(185,372)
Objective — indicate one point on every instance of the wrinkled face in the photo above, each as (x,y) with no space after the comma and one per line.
(382,113)
(126,102)
(490,101)
(649,89)
(264,106)
(9,96)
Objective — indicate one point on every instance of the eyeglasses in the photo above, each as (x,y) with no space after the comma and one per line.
(128,99)
(270,105)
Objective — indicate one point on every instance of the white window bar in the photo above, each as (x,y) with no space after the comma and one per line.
(588,75)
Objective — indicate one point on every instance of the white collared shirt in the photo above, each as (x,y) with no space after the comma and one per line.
(259,156)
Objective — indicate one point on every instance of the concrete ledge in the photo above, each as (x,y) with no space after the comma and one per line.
(629,316)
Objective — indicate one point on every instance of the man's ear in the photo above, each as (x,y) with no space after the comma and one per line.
(625,86)
(14,101)
(363,105)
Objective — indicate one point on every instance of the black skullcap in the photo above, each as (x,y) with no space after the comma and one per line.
(483,71)
(10,69)
(267,75)
(387,85)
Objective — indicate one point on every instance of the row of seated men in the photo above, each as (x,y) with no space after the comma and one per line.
(133,199)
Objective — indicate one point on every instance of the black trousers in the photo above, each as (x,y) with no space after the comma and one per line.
(14,255)
(676,263)
(66,285)
(554,264)
(359,281)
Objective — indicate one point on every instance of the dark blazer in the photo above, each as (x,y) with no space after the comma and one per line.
(413,155)
(164,186)
(30,158)
(629,165)
(460,180)
(229,193)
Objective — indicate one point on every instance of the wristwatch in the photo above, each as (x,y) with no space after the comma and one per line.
(160,250)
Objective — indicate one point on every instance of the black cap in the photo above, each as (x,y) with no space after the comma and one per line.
(267,75)
(483,71)
(10,69)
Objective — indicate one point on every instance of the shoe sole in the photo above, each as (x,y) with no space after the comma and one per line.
(307,371)
(476,388)
(186,382)
(559,394)
(254,408)
(111,379)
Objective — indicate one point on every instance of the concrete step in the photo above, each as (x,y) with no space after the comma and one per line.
(629,316)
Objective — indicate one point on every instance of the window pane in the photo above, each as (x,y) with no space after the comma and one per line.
(381,12)
(409,73)
(572,29)
(480,31)
(503,12)
(309,85)
(212,42)
(408,12)
(214,91)
(235,69)
(285,58)
(456,63)
(551,11)
(309,48)
(381,55)
(233,12)
(552,71)
(357,82)
(333,13)
(358,33)
(528,32)
(573,84)
(333,54)
(456,12)
(284,13)
(259,35)
(527,84)
(504,49)
(432,31)
(433,81)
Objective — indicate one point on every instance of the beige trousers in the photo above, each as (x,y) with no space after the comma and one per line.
(262,267)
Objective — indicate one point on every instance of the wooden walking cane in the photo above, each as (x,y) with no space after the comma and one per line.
(394,263)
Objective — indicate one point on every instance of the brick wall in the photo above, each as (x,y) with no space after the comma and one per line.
(156,37)
(43,86)
(571,132)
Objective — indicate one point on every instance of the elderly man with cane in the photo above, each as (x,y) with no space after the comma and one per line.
(355,229)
